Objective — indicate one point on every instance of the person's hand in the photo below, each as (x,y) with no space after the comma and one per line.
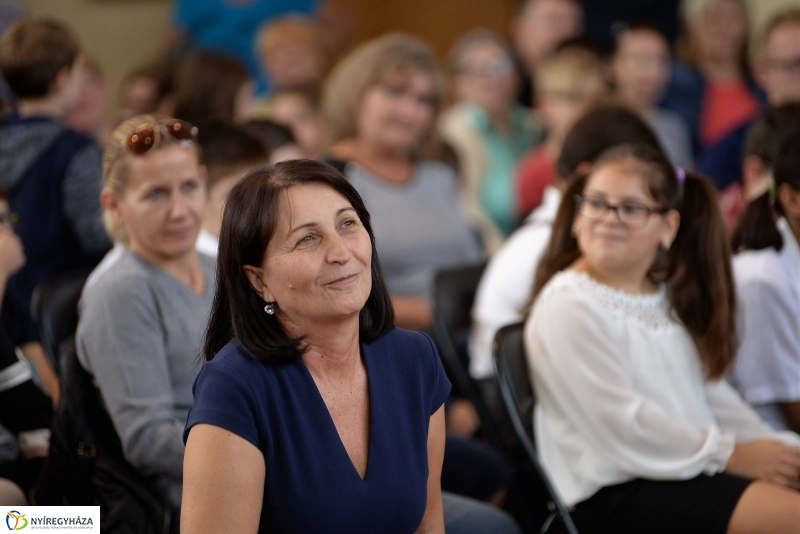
(766,459)
(12,255)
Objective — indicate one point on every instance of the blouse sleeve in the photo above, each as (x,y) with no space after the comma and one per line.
(223,398)
(580,366)
(768,364)
(734,415)
(121,342)
(439,383)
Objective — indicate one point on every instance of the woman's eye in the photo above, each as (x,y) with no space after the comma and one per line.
(633,209)
(156,193)
(190,186)
(306,239)
(596,203)
(349,223)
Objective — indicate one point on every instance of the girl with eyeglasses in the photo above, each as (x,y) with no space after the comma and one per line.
(767,273)
(631,333)
(142,322)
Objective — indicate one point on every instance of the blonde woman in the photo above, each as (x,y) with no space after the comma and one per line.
(142,322)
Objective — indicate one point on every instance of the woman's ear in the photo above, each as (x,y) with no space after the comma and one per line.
(672,218)
(255,275)
(110,202)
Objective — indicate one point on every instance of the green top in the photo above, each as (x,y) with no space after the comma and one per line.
(498,192)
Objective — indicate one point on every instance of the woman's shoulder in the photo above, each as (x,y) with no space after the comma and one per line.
(760,267)
(401,339)
(126,276)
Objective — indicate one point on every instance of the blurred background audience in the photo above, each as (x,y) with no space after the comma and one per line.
(458,166)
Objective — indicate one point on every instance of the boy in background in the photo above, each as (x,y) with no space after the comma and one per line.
(52,173)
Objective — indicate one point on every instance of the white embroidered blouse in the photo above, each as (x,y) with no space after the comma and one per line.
(621,392)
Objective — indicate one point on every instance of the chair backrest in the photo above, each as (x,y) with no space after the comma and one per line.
(453,295)
(519,397)
(54,307)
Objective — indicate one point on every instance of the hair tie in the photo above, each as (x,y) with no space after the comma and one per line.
(680,174)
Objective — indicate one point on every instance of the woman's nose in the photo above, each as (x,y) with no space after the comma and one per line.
(338,251)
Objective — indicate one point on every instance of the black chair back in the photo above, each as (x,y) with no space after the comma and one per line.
(519,397)
(453,295)
(54,307)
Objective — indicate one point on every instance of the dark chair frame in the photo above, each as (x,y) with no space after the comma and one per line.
(453,295)
(519,398)
(54,308)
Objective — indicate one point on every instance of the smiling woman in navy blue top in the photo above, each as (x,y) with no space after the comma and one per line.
(313,413)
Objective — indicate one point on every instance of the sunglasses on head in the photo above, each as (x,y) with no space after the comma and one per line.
(148,136)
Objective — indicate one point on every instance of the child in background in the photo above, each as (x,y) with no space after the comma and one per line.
(279,140)
(292,52)
(91,115)
(299,109)
(229,152)
(640,68)
(148,89)
(565,84)
(767,270)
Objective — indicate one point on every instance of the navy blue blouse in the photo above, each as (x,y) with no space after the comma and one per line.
(311,484)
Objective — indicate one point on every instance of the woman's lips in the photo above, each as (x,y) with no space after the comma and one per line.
(348,279)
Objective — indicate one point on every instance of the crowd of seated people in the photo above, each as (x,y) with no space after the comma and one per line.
(263,238)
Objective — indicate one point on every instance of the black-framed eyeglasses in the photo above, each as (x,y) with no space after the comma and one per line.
(148,136)
(632,214)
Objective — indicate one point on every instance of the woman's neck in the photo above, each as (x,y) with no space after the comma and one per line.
(721,70)
(633,281)
(333,349)
(185,268)
(394,166)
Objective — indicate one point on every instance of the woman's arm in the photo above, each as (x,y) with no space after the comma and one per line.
(223,482)
(121,342)
(413,313)
(433,520)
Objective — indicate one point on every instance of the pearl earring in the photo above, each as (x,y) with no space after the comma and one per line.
(269,309)
(666,244)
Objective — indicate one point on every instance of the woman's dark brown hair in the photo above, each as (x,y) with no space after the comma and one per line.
(697,265)
(248,224)
(206,85)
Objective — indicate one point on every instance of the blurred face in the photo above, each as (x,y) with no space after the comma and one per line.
(69,85)
(641,67)
(317,266)
(244,107)
(295,111)
(163,203)
(559,112)
(721,33)
(139,96)
(397,114)
(544,25)
(487,78)
(778,70)
(90,113)
(295,63)
(609,245)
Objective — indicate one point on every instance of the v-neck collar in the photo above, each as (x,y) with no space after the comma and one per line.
(331,426)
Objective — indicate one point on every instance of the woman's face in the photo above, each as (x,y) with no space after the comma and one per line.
(397,113)
(163,202)
(721,33)
(610,245)
(317,266)
(486,77)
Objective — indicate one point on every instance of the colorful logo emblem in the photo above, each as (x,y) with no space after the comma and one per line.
(18,518)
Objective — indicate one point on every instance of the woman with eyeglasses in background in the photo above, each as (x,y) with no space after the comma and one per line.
(631,334)
(488,130)
(142,322)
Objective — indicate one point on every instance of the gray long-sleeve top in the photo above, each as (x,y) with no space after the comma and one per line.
(139,336)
